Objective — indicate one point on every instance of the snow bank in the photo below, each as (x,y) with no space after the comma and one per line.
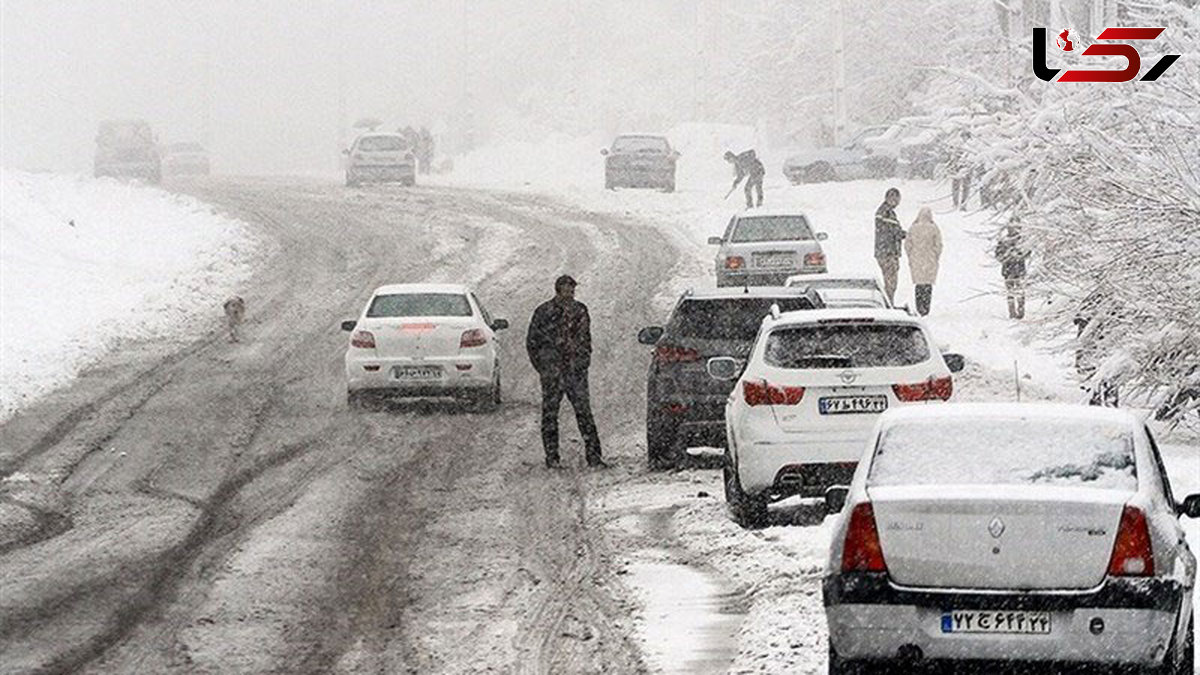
(87,263)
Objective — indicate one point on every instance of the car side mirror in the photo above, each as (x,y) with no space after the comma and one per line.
(955,362)
(349,325)
(822,236)
(650,335)
(835,498)
(500,324)
(723,368)
(715,241)
(1190,506)
(604,151)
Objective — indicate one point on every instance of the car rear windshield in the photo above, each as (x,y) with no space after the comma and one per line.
(419,304)
(728,318)
(771,228)
(382,144)
(1016,451)
(846,345)
(640,144)
(852,297)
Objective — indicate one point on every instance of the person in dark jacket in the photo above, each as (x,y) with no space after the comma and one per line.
(888,237)
(559,343)
(1012,254)
(749,167)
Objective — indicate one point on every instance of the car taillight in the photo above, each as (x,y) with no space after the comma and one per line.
(862,551)
(939,388)
(1132,555)
(735,262)
(814,259)
(472,338)
(363,339)
(762,392)
(673,354)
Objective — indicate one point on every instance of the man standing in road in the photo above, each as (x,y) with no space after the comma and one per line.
(888,236)
(749,167)
(559,343)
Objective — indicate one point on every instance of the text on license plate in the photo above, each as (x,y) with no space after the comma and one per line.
(843,405)
(1023,623)
(773,259)
(416,372)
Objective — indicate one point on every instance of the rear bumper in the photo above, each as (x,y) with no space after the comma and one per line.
(364,373)
(382,172)
(870,618)
(727,278)
(656,177)
(822,458)
(693,422)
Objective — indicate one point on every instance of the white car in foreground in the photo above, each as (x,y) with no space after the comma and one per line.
(986,533)
(807,401)
(424,340)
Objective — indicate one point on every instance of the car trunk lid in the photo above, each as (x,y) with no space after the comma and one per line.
(417,337)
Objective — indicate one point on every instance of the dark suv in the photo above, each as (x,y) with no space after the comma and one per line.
(685,407)
(640,160)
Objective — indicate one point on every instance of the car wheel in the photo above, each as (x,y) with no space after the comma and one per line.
(357,400)
(748,511)
(669,186)
(819,172)
(1181,661)
(662,452)
(840,666)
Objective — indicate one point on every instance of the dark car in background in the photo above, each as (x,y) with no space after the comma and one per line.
(127,149)
(185,159)
(856,158)
(640,160)
(685,407)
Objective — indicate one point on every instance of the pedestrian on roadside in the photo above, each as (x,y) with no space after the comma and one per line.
(960,167)
(749,167)
(888,237)
(1012,254)
(424,150)
(559,343)
(923,245)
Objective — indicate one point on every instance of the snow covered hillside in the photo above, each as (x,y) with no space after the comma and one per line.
(86,264)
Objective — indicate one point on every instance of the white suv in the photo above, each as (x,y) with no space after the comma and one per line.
(424,340)
(815,383)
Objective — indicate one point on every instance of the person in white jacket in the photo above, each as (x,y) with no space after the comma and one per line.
(923,245)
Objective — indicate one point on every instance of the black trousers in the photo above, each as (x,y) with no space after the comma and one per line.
(924,297)
(753,183)
(573,385)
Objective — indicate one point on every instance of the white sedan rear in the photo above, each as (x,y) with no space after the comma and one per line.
(990,533)
(424,340)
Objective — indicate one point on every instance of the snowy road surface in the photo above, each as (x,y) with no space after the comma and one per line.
(208,507)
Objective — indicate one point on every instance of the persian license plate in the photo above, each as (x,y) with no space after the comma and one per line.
(416,373)
(773,260)
(849,405)
(998,621)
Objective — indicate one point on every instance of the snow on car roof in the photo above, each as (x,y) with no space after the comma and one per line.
(994,410)
(847,314)
(761,212)
(376,134)
(800,279)
(748,292)
(641,134)
(421,288)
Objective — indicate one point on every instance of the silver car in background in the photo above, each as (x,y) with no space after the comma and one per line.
(841,291)
(762,248)
(379,157)
(1030,533)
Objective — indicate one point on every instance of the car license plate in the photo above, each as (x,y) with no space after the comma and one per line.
(1008,622)
(416,373)
(849,405)
(773,260)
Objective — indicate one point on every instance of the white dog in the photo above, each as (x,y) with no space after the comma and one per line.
(235,313)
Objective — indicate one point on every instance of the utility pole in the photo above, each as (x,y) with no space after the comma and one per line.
(839,77)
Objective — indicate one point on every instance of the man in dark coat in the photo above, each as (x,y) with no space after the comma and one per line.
(559,343)
(888,237)
(749,167)
(1012,254)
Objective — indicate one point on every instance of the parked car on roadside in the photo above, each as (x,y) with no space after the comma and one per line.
(127,149)
(764,248)
(843,290)
(185,159)
(424,340)
(987,536)
(810,394)
(640,160)
(852,160)
(379,157)
(684,406)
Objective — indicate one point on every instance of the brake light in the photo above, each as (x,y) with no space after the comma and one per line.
(472,338)
(930,390)
(363,339)
(763,393)
(1132,555)
(735,262)
(862,551)
(672,354)
(814,259)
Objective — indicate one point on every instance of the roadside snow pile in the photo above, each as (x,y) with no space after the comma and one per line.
(87,263)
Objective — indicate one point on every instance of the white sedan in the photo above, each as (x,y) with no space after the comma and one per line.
(424,340)
(815,383)
(1036,533)
(843,290)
